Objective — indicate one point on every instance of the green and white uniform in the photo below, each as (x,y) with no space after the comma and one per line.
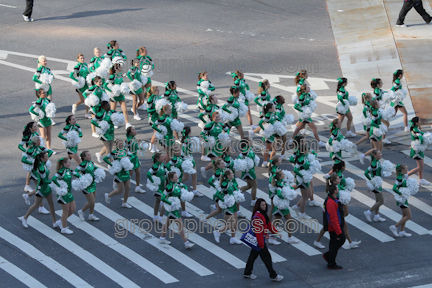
(374,170)
(29,156)
(397,85)
(342,96)
(204,88)
(41,70)
(205,116)
(417,134)
(115,79)
(366,114)
(336,135)
(118,154)
(151,108)
(25,141)
(171,95)
(175,161)
(165,120)
(80,70)
(214,129)
(68,128)
(98,92)
(400,182)
(105,116)
(84,168)
(173,190)
(234,103)
(41,103)
(134,73)
(227,188)
(375,123)
(146,67)
(213,181)
(244,87)
(278,191)
(65,174)
(133,147)
(270,118)
(95,63)
(300,163)
(113,53)
(303,100)
(262,99)
(158,170)
(251,173)
(41,174)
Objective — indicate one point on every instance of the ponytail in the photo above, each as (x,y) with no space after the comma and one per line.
(38,159)
(375,82)
(272,162)
(397,74)
(224,176)
(27,129)
(341,81)
(60,163)
(300,75)
(330,181)
(267,107)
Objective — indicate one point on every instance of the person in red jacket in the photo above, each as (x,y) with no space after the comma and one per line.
(335,220)
(261,226)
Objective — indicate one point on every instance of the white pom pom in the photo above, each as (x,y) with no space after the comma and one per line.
(160,103)
(335,147)
(234,114)
(86,180)
(211,141)
(115,168)
(223,138)
(223,115)
(62,190)
(288,119)
(153,186)
(341,108)
(50,110)
(352,100)
(228,202)
(249,96)
(417,146)
(386,168)
(106,63)
(400,198)
(176,170)
(347,145)
(144,80)
(37,118)
(385,97)
(92,100)
(243,109)
(102,72)
(387,113)
(250,164)
(413,186)
(314,164)
(294,98)
(313,94)
(288,193)
(400,95)
(48,165)
(126,164)
(124,88)
(380,131)
(99,175)
(427,137)
(135,85)
(306,114)
(177,125)
(186,196)
(187,167)
(307,176)
(375,183)
(117,119)
(161,135)
(344,197)
(239,165)
(194,145)
(175,204)
(268,130)
(104,126)
(147,71)
(72,139)
(279,128)
(80,83)
(239,196)
(46,78)
(312,105)
(89,78)
(104,97)
(181,107)
(289,178)
(349,184)
(257,160)
(367,121)
(76,185)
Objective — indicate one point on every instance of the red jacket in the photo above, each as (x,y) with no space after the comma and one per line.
(334,215)
(261,229)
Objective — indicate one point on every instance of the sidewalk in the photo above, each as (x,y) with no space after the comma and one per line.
(370,46)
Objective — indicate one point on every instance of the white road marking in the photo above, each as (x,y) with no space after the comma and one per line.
(19,274)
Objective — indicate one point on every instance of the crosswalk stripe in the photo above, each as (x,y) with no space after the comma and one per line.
(86,256)
(154,241)
(422,286)
(195,238)
(195,210)
(48,262)
(121,249)
(19,274)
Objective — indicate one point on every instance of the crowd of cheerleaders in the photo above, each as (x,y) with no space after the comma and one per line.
(166,177)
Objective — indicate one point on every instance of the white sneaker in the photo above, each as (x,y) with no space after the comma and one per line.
(27,188)
(273,241)
(126,205)
(128,125)
(304,216)
(321,144)
(293,127)
(164,241)
(251,134)
(143,107)
(88,116)
(74,109)
(378,218)
(319,245)
(240,214)
(254,127)
(354,244)
(292,240)
(66,231)
(42,210)
(189,245)
(235,241)
(186,214)
(107,199)
(303,132)
(264,164)
(139,190)
(203,172)
(153,148)
(81,215)
(401,26)
(368,215)
(326,176)
(58,224)
(205,158)
(116,127)
(423,182)
(216,235)
(132,111)
(296,209)
(95,135)
(26,199)
(404,234)
(92,217)
(197,193)
(53,123)
(394,229)
(385,141)
(137,117)
(99,157)
(251,276)
(23,221)
(407,129)
(361,158)
(253,203)
(314,203)
(350,134)
(212,207)
(277,278)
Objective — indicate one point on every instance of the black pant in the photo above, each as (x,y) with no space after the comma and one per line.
(266,258)
(334,246)
(407,7)
(29,8)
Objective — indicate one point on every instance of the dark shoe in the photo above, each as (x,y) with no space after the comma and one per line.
(324,258)
(335,267)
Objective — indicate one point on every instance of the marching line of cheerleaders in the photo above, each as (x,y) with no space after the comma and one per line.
(101,86)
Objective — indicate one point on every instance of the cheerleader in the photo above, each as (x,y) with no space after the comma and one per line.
(269,117)
(122,176)
(88,167)
(40,109)
(40,172)
(240,82)
(79,75)
(286,119)
(374,171)
(136,87)
(133,147)
(43,77)
(172,198)
(64,192)
(215,136)
(94,96)
(337,142)
(366,101)
(281,209)
(156,183)
(249,176)
(30,131)
(106,136)
(403,190)
(418,146)
(306,105)
(116,80)
(171,95)
(299,80)
(399,95)
(234,104)
(72,131)
(115,54)
(214,182)
(204,88)
(382,97)
(146,66)
(263,95)
(96,61)
(188,146)
(152,95)
(344,102)
(227,202)
(273,167)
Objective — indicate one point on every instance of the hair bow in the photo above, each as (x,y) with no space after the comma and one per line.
(331,125)
(297,74)
(340,80)
(374,79)
(109,45)
(260,84)
(233,75)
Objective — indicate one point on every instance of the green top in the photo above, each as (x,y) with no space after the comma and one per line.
(378,92)
(400,182)
(215,177)
(32,151)
(342,95)
(374,169)
(201,92)
(112,53)
(376,117)
(214,129)
(134,74)
(25,141)
(175,161)
(95,62)
(263,97)
(118,154)
(68,128)
(209,109)
(80,70)
(145,60)
(105,116)
(151,107)
(114,79)
(171,95)
(65,174)
(303,100)
(41,70)
(396,85)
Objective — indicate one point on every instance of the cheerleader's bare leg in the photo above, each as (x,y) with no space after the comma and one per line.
(194,179)
(81,101)
(50,201)
(349,121)
(299,127)
(341,117)
(68,209)
(215,212)
(91,200)
(124,109)
(320,235)
(406,215)
(249,116)
(28,179)
(304,197)
(119,190)
(107,147)
(48,136)
(288,219)
(126,191)
(156,205)
(75,157)
(405,114)
(140,99)
(240,131)
(270,212)
(134,104)
(346,231)
(314,130)
(38,202)
(267,150)
(419,169)
(379,201)
(250,184)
